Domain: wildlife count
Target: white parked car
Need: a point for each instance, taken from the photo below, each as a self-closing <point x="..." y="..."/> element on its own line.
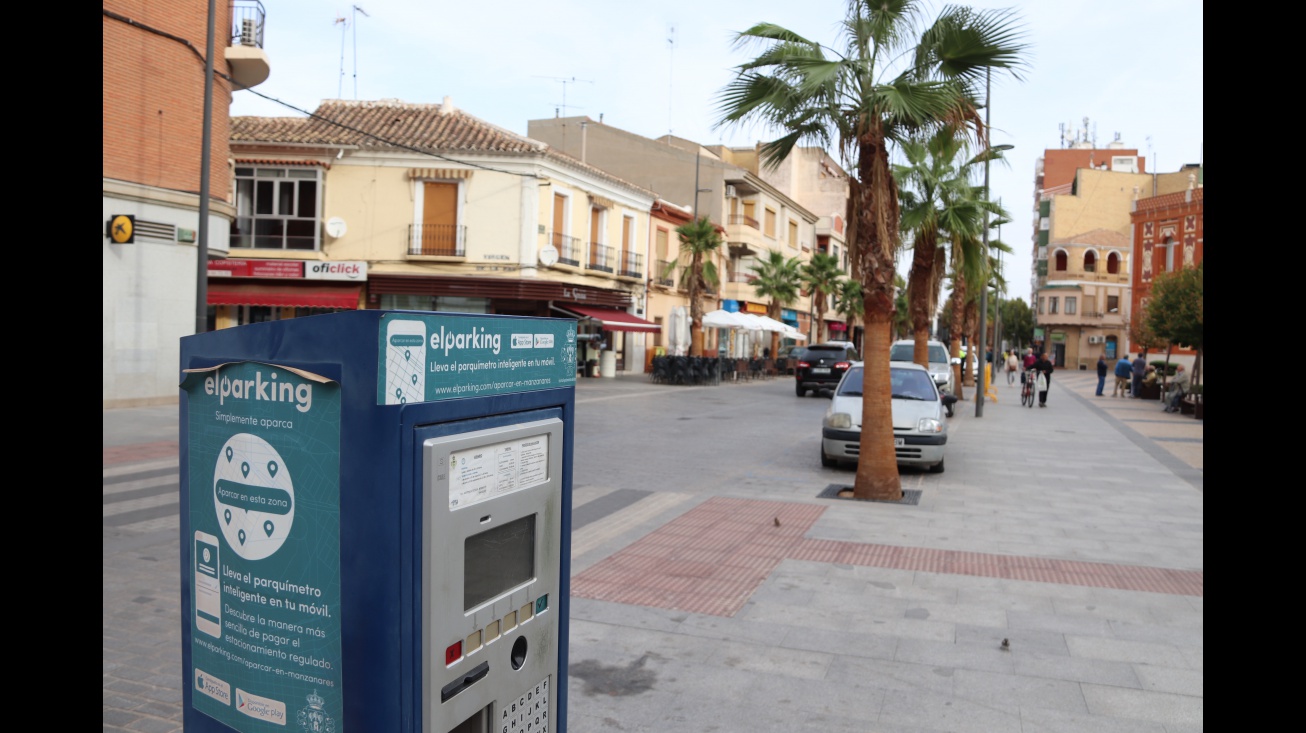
<point x="940" y="364"/>
<point x="920" y="431"/>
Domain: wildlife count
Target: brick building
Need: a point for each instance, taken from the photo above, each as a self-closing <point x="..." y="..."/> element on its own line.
<point x="1168" y="232"/>
<point x="153" y="99"/>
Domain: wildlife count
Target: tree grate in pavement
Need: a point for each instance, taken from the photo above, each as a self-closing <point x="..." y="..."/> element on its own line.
<point x="911" y="497"/>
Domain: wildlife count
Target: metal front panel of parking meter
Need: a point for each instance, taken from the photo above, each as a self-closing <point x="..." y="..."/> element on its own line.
<point x="375" y="520"/>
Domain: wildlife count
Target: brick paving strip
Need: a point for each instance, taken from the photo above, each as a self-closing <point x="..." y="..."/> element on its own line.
<point x="711" y="559"/>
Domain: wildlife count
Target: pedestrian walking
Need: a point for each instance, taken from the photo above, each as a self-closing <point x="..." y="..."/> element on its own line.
<point x="1013" y="366"/>
<point x="1138" y="370"/>
<point x="1101" y="374"/>
<point x="1123" y="371"/>
<point x="1044" y="368"/>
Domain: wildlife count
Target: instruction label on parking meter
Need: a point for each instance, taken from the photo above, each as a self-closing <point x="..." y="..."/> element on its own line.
<point x="437" y="357"/>
<point x="264" y="490"/>
<point x="490" y="471"/>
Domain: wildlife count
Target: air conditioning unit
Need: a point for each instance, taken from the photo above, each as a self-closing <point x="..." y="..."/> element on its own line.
<point x="730" y="192"/>
<point x="247" y="30"/>
<point x="1096" y="339"/>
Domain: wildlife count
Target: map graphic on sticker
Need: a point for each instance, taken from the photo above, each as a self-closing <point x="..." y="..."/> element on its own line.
<point x="253" y="495"/>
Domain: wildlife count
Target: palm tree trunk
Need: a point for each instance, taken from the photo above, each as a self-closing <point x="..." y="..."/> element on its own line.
<point x="775" y="335"/>
<point x="877" y="463"/>
<point x="695" y="307"/>
<point x="876" y="244"/>
<point x="958" y="327"/>
<point x="972" y="337"/>
<point x="918" y="294"/>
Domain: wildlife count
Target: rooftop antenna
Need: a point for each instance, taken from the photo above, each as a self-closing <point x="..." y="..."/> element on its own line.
<point x="344" y="24"/>
<point x="357" y="10"/>
<point x="565" y="81"/>
<point x="671" y="57"/>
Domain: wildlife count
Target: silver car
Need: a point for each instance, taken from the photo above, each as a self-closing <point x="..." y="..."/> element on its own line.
<point x="940" y="364"/>
<point x="920" y="431"/>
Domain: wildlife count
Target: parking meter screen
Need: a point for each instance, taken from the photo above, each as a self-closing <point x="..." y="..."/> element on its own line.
<point x="498" y="560"/>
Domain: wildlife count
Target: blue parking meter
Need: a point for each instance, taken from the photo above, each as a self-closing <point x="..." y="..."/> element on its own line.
<point x="376" y="523"/>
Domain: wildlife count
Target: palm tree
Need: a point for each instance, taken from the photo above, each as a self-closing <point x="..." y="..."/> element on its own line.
<point x="937" y="198"/>
<point x="699" y="240"/>
<point x="821" y="276"/>
<point x="848" y="303"/>
<point x="901" y="316"/>
<point x="858" y="102"/>
<point x="778" y="280"/>
<point x="970" y="264"/>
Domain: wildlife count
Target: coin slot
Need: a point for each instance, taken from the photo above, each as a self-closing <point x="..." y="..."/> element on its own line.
<point x="518" y="652"/>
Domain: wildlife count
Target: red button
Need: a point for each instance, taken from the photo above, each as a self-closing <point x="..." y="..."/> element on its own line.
<point x="453" y="653"/>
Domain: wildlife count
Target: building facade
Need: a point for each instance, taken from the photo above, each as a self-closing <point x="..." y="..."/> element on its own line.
<point x="152" y="157"/>
<point x="434" y="209"/>
<point x="812" y="178"/>
<point x="1169" y="231"/>
<point x="722" y="183"/>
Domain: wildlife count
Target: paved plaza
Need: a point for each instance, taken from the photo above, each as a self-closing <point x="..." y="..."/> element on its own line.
<point x="1050" y="580"/>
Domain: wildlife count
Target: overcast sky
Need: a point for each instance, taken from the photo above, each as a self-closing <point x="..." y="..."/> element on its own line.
<point x="1133" y="68"/>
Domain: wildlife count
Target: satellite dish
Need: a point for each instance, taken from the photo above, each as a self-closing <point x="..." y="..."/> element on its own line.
<point x="335" y="226"/>
<point x="548" y="255"/>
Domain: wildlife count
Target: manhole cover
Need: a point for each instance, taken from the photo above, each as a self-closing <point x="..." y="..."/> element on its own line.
<point x="840" y="491"/>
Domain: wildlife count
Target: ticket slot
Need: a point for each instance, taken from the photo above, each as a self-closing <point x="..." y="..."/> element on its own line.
<point x="453" y="688"/>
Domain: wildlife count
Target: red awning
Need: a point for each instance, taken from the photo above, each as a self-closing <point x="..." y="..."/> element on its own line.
<point x="285" y="296"/>
<point x="611" y="319"/>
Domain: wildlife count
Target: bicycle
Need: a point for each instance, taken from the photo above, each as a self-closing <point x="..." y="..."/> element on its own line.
<point x="1027" y="382"/>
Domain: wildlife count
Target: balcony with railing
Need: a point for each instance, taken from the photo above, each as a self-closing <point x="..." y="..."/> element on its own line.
<point x="601" y="258"/>
<point x="665" y="274"/>
<point x="631" y="265"/>
<point x="570" y="249"/>
<point x="245" y="55"/>
<point x="744" y="235"/>
<point x="437" y="240"/>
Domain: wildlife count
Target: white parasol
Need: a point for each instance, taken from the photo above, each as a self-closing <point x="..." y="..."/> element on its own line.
<point x="724" y="319"/>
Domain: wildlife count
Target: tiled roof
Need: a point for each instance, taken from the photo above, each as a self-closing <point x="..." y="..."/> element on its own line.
<point x="1096" y="238"/>
<point x="403" y="125"/>
<point x="431" y="127"/>
<point x="1165" y="201"/>
<point x="280" y="161"/>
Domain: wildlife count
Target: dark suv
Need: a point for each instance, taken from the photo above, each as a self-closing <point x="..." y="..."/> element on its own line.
<point x="820" y="366"/>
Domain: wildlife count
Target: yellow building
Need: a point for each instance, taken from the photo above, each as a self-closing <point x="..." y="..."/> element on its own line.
<point x="394" y="205"/>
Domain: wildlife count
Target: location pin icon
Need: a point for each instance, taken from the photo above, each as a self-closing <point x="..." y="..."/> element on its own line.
<point x="414" y="379"/>
<point x="272" y="469"/>
<point x="244" y="469"/>
<point x="399" y="393"/>
<point x="226" y="515"/>
<point x="230" y="453"/>
<point x="407" y="354"/>
<point x="267" y="527"/>
<point x="241" y="535"/>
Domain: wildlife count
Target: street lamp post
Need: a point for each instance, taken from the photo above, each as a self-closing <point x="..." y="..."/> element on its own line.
<point x="206" y="142"/>
<point x="984" y="368"/>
